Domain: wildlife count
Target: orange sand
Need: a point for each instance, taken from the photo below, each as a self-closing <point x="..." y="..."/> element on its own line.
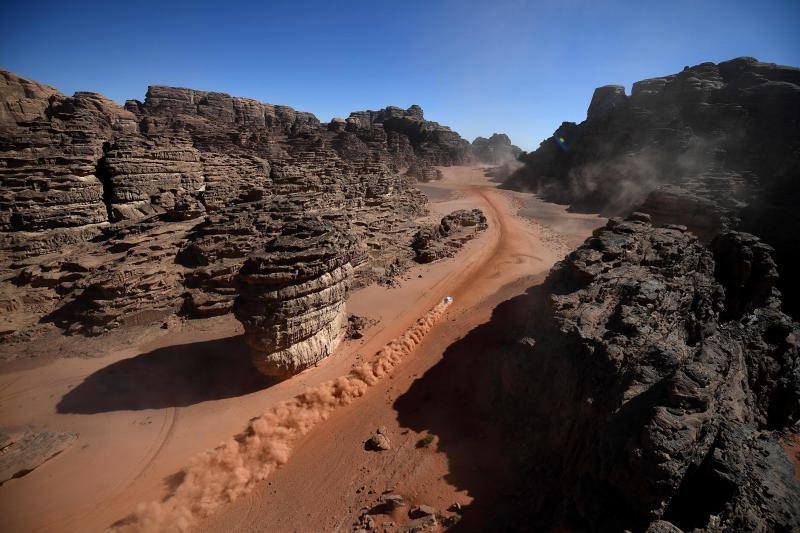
<point x="131" y="451"/>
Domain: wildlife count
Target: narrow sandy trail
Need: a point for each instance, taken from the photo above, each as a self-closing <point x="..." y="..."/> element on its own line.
<point x="143" y="412"/>
<point x="331" y="479"/>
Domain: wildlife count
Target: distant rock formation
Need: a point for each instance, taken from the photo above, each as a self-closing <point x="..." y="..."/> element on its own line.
<point x="123" y="215"/>
<point x="654" y="387"/>
<point x="496" y="150"/>
<point x="714" y="147"/>
<point x="409" y="138"/>
<point x="437" y="242"/>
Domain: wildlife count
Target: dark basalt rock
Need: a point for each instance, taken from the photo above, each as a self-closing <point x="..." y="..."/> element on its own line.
<point x="662" y="376"/>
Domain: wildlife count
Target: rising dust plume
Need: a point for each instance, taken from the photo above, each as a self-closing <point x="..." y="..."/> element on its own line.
<point x="231" y="470"/>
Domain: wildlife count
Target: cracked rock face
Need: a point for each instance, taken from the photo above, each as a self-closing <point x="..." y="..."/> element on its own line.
<point x="662" y="377"/>
<point x="292" y="297"/>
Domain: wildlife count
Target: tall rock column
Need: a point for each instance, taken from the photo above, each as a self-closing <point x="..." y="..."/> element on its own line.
<point x="292" y="297"/>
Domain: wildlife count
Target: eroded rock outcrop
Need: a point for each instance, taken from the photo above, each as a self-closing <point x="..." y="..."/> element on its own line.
<point x="23" y="449"/>
<point x="293" y="294"/>
<point x="496" y="150"/>
<point x="658" y="379"/>
<point x="714" y="147"/>
<point x="50" y="148"/>
<point x="114" y="215"/>
<point x="409" y="137"/>
<point x="437" y="242"/>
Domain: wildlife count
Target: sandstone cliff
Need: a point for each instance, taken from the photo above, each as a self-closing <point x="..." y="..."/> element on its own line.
<point x="652" y="387"/>
<point x="113" y="215"/>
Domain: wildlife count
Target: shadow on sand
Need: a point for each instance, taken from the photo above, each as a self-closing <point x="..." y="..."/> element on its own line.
<point x="174" y="376"/>
<point x="457" y="400"/>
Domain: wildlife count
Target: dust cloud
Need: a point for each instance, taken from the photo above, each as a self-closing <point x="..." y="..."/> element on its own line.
<point x="224" y="474"/>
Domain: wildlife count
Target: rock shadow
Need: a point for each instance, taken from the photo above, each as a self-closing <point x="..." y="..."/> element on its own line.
<point x="457" y="401"/>
<point x="173" y="376"/>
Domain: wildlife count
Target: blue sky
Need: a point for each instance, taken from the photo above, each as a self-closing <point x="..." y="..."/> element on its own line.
<point x="516" y="66"/>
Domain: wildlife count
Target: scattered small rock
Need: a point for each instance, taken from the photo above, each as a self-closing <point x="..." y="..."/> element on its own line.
<point x="421" y="510"/>
<point x="392" y="501"/>
<point x="420" y="524"/>
<point x="378" y="441"/>
<point x="357" y="324"/>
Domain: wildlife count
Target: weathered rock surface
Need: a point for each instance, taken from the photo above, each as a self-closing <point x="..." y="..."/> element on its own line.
<point x="716" y="147"/>
<point x="409" y="138"/>
<point x="356" y="325"/>
<point x="424" y="172"/>
<point x="112" y="215"/>
<point x="662" y="377"/>
<point x="496" y="150"/>
<point x="293" y="295"/>
<point x="379" y="441"/>
<point x="50" y="147"/>
<point x="437" y="242"/>
<point x="24" y="449"/>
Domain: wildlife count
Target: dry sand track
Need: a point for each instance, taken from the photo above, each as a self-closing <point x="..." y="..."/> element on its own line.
<point x="143" y="412"/>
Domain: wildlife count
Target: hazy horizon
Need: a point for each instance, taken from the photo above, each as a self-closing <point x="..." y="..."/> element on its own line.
<point x="513" y="67"/>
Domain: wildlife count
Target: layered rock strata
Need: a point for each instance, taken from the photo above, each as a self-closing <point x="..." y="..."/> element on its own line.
<point x="654" y="386"/>
<point x="293" y="294"/>
<point x="409" y="137"/>
<point x="115" y="215"/>
<point x="444" y="240"/>
<point x="50" y="145"/>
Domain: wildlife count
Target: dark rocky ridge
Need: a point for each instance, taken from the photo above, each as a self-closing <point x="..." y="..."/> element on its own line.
<point x="662" y="375"/>
<point x="645" y="386"/>
<point x="496" y="150"/>
<point x="714" y="147"/>
<point x="115" y="215"/>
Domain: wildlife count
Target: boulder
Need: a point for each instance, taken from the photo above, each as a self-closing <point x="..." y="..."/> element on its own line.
<point x="292" y="296"/>
<point x="24" y="449"/>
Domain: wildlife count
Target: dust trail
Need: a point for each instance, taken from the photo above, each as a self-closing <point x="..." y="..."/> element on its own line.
<point x="222" y="475"/>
